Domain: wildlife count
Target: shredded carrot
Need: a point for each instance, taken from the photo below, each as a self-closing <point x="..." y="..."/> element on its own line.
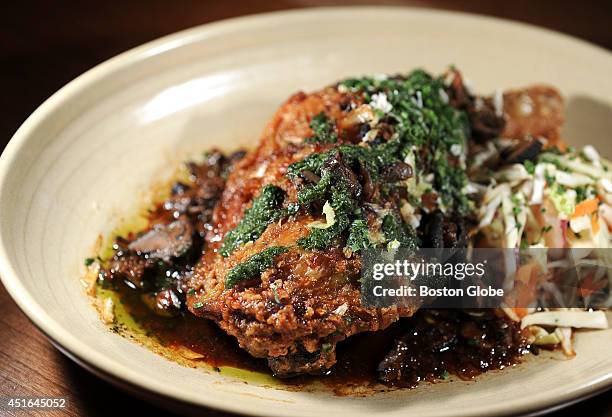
<point x="595" y="223"/>
<point x="591" y="285"/>
<point x="526" y="281"/>
<point x="520" y="311"/>
<point x="525" y="272"/>
<point x="586" y="207"/>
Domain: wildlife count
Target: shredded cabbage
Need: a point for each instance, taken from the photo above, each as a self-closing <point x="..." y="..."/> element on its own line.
<point x="567" y="318"/>
<point x="514" y="207"/>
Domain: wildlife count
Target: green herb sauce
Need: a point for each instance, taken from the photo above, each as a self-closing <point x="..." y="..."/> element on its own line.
<point x="323" y="129"/>
<point x="424" y="123"/>
<point x="254" y="266"/>
<point x="424" y="119"/>
<point x="395" y="229"/>
<point x="343" y="206"/>
<point x="359" y="237"/>
<point x="265" y="210"/>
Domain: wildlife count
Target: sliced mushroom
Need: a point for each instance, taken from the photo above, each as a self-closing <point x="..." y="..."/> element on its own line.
<point x="129" y="267"/>
<point x="443" y="232"/>
<point x="433" y="236"/>
<point x="369" y="188"/>
<point x="527" y="149"/>
<point x="397" y="171"/>
<point x="339" y="169"/>
<point x="486" y="124"/>
<point x="164" y="241"/>
<point x="165" y="303"/>
<point x="310" y="176"/>
<point x="458" y="94"/>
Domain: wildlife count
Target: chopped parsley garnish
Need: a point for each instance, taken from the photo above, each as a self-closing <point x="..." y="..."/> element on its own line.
<point x="529" y="166"/>
<point x="550" y="179"/>
<point x="373" y="158"/>
<point x="323" y="130"/>
<point x="395" y="229"/>
<point x="420" y="119"/>
<point x="335" y="187"/>
<point x="254" y="266"/>
<point x="581" y="194"/>
<point x="358" y="236"/>
<point x="423" y="123"/>
<point x="265" y="210"/>
<point x="89" y="261"/>
<point x="423" y="119"/>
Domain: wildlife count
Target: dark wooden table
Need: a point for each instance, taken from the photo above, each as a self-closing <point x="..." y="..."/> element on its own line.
<point x="45" y="44"/>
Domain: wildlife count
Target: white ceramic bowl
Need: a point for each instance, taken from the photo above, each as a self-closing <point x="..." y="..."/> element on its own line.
<point x="83" y="159"/>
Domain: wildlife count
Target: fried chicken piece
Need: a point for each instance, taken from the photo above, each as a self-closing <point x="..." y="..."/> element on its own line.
<point x="311" y="299"/>
<point x="294" y="313"/>
<point x="535" y="111"/>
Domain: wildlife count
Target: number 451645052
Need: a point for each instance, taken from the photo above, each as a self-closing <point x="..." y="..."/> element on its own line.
<point x="33" y="402"/>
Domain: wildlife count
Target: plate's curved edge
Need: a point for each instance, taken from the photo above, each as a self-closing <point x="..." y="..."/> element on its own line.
<point x="166" y="402"/>
<point x="52" y="329"/>
<point x="185" y="407"/>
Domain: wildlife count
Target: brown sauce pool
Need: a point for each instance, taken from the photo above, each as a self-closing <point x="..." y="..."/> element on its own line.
<point x="358" y="357"/>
